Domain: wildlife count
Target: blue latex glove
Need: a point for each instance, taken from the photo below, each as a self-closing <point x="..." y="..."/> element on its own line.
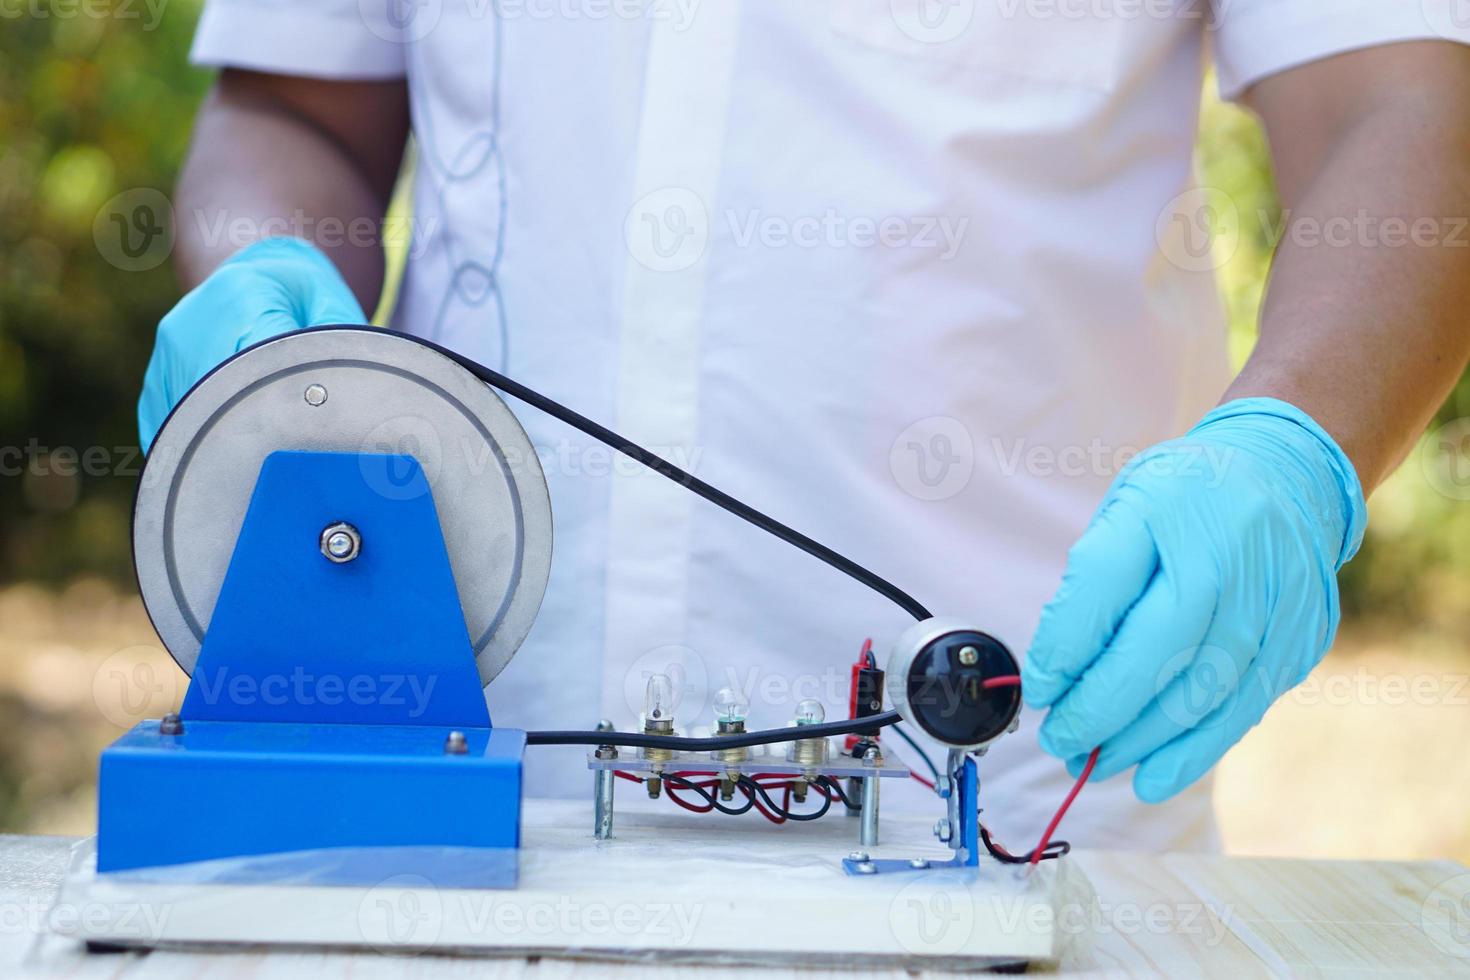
<point x="1204" y="588"/>
<point x="268" y="288"/>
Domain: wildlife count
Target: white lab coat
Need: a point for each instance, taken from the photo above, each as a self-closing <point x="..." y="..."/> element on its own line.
<point x="913" y="276"/>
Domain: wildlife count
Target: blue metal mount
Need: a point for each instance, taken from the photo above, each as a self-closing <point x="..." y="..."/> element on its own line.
<point x="320" y="708"/>
<point x="961" y="789"/>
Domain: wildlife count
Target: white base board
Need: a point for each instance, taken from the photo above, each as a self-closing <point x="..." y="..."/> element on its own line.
<point x="669" y="886"/>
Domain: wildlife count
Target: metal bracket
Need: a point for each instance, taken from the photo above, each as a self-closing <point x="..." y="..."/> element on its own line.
<point x="960" y="827"/>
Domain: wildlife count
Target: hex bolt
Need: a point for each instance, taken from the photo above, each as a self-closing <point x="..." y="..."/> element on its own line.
<point x="316" y="395"/>
<point x="340" y="542"/>
<point x="969" y="656"/>
<point x="606" y="751"/>
<point x="867" y="868"/>
<point x="171" y="724"/>
<point x="858" y="856"/>
<point x="918" y="864"/>
<point x="456" y="744"/>
<point x="942" y="830"/>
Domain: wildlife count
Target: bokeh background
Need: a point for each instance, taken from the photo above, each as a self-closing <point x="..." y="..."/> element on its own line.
<point x="1368" y="759"/>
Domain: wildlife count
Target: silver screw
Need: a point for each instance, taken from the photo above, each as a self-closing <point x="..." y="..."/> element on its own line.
<point x="872" y="757"/>
<point x="858" y="856"/>
<point x="969" y="656"/>
<point x="918" y="864"/>
<point x="942" y="830"/>
<point x="171" y="724"/>
<point x="315" y="395"/>
<point x="456" y="744"/>
<point x="341" y="542"/>
<point x="867" y="868"/>
<point x="606" y="751"/>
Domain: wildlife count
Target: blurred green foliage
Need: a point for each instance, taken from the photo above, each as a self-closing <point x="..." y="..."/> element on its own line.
<point x="90" y="106"/>
<point x="93" y="106"/>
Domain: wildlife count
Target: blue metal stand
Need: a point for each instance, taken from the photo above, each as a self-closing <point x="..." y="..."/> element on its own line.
<point x="321" y="707"/>
<point x="961" y="826"/>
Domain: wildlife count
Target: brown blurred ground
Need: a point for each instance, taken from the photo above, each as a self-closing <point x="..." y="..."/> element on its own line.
<point x="1367" y="759"/>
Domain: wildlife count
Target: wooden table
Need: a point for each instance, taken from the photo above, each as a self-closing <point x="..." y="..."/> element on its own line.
<point x="1174" y="915"/>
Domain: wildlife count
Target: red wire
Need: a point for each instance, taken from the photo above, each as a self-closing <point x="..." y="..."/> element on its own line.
<point x="692" y="807"/>
<point x="1007" y="680"/>
<point x="923" y="779"/>
<point x="1051" y="828"/>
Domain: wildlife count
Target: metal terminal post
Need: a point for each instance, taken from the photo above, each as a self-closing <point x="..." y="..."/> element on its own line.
<point x="456" y="743"/>
<point x="868" y="828"/>
<point x="602" y="789"/>
<point x="171" y="724"/>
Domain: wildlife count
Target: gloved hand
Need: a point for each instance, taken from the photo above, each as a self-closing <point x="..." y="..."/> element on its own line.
<point x="271" y="287"/>
<point x="1204" y="588"/>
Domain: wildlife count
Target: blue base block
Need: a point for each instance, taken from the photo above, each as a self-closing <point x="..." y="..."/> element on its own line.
<point x="226" y="789"/>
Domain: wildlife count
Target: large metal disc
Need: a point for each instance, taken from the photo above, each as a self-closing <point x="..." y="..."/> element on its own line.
<point x="348" y="390"/>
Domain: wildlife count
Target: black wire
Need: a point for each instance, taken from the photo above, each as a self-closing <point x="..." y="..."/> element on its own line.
<point x="1054" y="849"/>
<point x="679" y="782"/>
<point x="933" y="769"/>
<point x="836" y="786"/>
<point x="751" y="785"/>
<point x="769" y="736"/>
<point x="685" y="479"/>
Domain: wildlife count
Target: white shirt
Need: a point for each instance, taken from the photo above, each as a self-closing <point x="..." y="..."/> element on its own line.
<point x="912" y="276"/>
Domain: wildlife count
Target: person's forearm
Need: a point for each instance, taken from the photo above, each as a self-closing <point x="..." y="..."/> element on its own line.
<point x="1366" y="323"/>
<point x="258" y="169"/>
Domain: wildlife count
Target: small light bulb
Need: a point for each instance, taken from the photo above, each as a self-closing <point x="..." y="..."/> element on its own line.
<point x="658" y="699"/>
<point x="810" y="712"/>
<point x="730" y="707"/>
